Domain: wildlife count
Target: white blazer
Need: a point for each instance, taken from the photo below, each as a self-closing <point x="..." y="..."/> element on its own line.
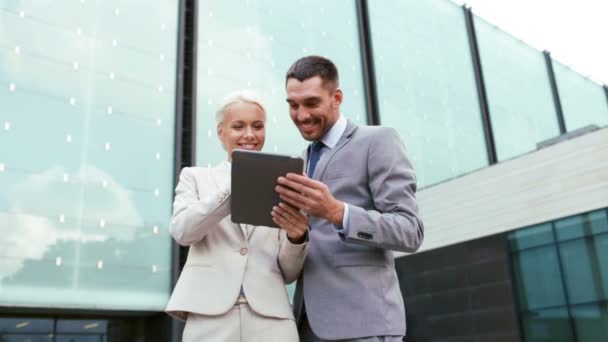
<point x="224" y="255"/>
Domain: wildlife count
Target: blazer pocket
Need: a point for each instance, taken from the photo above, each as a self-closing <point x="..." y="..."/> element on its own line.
<point x="359" y="259"/>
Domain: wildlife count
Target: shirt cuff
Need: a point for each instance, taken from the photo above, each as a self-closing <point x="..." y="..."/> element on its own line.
<point x="345" y="222"/>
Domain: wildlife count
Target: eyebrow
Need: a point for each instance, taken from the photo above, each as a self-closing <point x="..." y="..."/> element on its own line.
<point x="306" y="100"/>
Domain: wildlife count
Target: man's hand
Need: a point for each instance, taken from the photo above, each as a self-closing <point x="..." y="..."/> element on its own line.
<point x="311" y="196"/>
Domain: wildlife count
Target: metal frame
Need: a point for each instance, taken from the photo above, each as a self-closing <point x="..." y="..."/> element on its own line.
<point x="606" y="92"/>
<point x="481" y="87"/>
<point x="367" y="64"/>
<point x="185" y="126"/>
<point x="555" y="92"/>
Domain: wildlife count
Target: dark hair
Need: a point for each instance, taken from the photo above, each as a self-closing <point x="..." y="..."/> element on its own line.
<point x="311" y="66"/>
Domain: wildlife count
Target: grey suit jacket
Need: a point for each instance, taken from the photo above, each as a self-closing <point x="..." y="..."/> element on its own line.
<point x="349" y="284"/>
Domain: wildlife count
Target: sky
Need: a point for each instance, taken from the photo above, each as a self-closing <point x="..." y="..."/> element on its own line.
<point x="574" y="32"/>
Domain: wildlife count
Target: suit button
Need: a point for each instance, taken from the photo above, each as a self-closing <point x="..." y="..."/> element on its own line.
<point x="243" y="251"/>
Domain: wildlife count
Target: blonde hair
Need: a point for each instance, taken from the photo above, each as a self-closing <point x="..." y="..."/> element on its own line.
<point x="241" y="96"/>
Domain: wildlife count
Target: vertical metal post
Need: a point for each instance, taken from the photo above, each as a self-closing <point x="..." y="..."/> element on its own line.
<point x="367" y="63"/>
<point x="555" y="92"/>
<point x="185" y="121"/>
<point x="606" y="92"/>
<point x="481" y="87"/>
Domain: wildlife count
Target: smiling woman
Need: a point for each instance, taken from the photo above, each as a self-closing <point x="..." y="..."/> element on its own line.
<point x="241" y="122"/>
<point x="235" y="274"/>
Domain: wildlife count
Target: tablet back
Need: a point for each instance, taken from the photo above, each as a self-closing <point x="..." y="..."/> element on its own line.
<point x="254" y="177"/>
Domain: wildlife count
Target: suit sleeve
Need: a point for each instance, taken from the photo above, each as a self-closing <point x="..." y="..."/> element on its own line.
<point x="195" y="214"/>
<point x="394" y="222"/>
<point x="291" y="257"/>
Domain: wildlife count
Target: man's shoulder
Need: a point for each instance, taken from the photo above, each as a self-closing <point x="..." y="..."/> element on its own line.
<point x="375" y="132"/>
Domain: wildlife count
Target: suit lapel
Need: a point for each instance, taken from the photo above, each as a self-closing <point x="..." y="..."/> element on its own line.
<point x="221" y="177"/>
<point x="322" y="164"/>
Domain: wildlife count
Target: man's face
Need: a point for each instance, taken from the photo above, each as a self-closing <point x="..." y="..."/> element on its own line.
<point x="313" y="107"/>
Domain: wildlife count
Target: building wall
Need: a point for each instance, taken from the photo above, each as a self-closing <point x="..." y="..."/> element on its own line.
<point x="462" y="292"/>
<point x="568" y="178"/>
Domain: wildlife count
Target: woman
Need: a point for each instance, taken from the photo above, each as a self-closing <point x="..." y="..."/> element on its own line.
<point x="232" y="287"/>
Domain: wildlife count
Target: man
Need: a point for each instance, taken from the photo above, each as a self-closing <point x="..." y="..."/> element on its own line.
<point x="360" y="195"/>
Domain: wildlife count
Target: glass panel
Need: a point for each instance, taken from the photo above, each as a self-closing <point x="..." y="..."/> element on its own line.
<point x="591" y="322"/>
<point x="518" y="89"/>
<point x="581" y="225"/>
<point x="538" y="278"/>
<point x="600" y="244"/>
<point x="27" y="338"/>
<point x="551" y="325"/>
<point x="81" y="326"/>
<point x="530" y="237"/>
<point x="426" y="86"/>
<point x="583" y="101"/>
<point x="583" y="269"/>
<point x="87" y="93"/>
<point x="26" y="325"/>
<point x="251" y="44"/>
<point x="79" y="338"/>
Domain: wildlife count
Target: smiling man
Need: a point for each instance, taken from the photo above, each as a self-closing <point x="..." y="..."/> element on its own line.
<point x="360" y="196"/>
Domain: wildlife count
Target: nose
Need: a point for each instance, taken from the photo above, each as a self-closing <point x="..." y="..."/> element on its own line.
<point x="302" y="114"/>
<point x="248" y="131"/>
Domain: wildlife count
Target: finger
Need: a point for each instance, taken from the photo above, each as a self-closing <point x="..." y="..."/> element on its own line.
<point x="304" y="180"/>
<point x="296" y="186"/>
<point x="281" y="221"/>
<point x="298" y="201"/>
<point x="292" y="213"/>
<point x="282" y="191"/>
<point x="277" y="211"/>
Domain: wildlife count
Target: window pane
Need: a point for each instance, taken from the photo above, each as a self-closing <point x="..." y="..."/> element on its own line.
<point x="519" y="93"/>
<point x="551" y="325"/>
<point x="250" y="45"/>
<point x="582" y="225"/>
<point x="87" y="93"/>
<point x="530" y="237"/>
<point x="583" y="269"/>
<point x="26" y="325"/>
<point x="538" y="278"/>
<point x="591" y="322"/>
<point x="583" y="101"/>
<point x="426" y="86"/>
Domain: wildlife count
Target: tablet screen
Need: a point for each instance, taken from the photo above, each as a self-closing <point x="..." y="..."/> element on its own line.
<point x="254" y="177"/>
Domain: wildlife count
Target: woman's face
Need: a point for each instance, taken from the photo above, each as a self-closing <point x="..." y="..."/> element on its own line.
<point x="242" y="128"/>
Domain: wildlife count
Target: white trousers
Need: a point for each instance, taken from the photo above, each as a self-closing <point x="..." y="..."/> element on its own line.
<point x="240" y="324"/>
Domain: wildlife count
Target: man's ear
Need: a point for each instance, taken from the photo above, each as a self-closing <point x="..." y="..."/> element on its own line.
<point x="338" y="96"/>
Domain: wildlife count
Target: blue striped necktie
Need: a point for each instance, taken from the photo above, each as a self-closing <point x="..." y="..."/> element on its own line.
<point x="313" y="156"/>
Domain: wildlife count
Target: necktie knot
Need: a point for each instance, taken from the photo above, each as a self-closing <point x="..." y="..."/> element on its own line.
<point x="313" y="157"/>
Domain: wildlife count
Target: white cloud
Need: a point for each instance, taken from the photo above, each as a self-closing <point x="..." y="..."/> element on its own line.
<point x="32" y="225"/>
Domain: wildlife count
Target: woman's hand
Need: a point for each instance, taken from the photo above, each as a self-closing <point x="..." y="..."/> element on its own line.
<point x="292" y="220"/>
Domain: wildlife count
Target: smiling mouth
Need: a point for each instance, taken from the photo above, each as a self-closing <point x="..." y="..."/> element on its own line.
<point x="307" y="126"/>
<point x="249" y="146"/>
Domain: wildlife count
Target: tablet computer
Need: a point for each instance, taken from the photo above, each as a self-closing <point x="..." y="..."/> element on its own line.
<point x="254" y="178"/>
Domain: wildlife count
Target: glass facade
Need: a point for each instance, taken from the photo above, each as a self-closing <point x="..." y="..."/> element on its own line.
<point x="518" y="90"/>
<point x="28" y="329"/>
<point x="251" y="44"/>
<point x="583" y="101"/>
<point x="560" y="272"/>
<point x="426" y="86"/>
<point x="87" y="97"/>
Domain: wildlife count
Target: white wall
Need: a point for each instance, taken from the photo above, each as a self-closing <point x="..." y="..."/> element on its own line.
<point x="568" y="178"/>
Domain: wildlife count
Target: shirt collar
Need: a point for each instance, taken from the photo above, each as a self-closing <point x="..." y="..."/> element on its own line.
<point x="331" y="138"/>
